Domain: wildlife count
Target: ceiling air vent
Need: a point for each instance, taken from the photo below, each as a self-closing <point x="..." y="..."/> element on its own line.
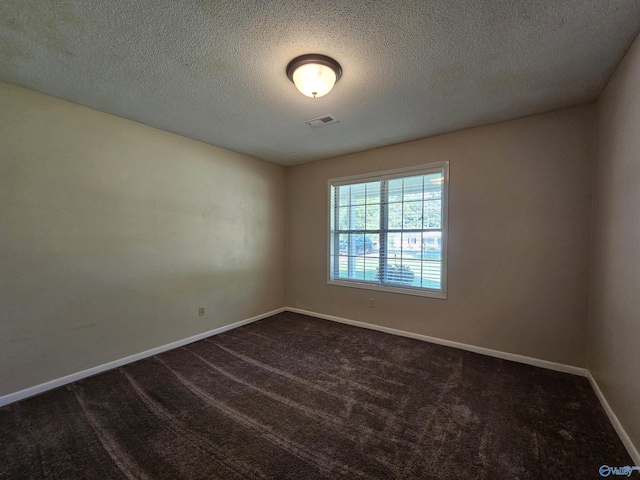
<point x="321" y="121"/>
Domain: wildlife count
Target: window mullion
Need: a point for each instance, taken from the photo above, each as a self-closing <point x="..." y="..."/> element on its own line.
<point x="351" y="250"/>
<point x="384" y="226"/>
<point x="336" y="230"/>
<point x="422" y="238"/>
<point x="401" y="226"/>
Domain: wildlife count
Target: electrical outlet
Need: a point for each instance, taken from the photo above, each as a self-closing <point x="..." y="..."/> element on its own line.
<point x="201" y="311"/>
<point x="372" y="303"/>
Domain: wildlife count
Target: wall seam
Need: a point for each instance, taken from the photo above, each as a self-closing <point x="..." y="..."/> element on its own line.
<point x="287" y="222"/>
<point x="594" y="150"/>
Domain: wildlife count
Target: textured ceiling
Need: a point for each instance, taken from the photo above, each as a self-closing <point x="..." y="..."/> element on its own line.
<point x="215" y="70"/>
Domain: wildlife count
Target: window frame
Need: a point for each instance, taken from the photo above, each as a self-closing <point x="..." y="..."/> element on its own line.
<point x="444" y="228"/>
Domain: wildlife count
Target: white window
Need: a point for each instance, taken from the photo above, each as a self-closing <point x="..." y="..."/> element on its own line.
<point x="388" y="231"/>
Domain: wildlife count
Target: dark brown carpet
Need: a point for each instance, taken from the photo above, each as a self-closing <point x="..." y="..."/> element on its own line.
<point x="297" y="397"/>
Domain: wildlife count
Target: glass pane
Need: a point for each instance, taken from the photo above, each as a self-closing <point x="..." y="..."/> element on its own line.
<point x="400" y="274"/>
<point x="359" y="217"/>
<point x="373" y="217"/>
<point x="411" y="247"/>
<point x="342" y="270"/>
<point x="412" y="215"/>
<point x="344" y="192"/>
<point x="395" y="216"/>
<point x="412" y="188"/>
<point x="433" y="214"/>
<point x="358" y="271"/>
<point x="343" y="218"/>
<point x="431" y="274"/>
<point x="432" y="246"/>
<point x="411" y="271"/>
<point x="358" y="244"/>
<point x="370" y="269"/>
<point x="433" y="185"/>
<point x="373" y="192"/>
<point x="358" y="194"/>
<point x="374" y="240"/>
<point x="394" y="246"/>
<point x="343" y="244"/>
<point x="395" y="190"/>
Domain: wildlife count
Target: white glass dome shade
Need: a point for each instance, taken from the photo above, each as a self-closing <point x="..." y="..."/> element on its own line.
<point x="314" y="75"/>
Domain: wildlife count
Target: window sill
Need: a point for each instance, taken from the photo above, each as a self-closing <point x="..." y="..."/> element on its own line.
<point x="419" y="292"/>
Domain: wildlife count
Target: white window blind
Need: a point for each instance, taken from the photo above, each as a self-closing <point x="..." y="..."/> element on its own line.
<point x="388" y="231"/>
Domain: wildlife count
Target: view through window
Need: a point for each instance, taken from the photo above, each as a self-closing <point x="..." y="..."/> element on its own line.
<point x="388" y="231"/>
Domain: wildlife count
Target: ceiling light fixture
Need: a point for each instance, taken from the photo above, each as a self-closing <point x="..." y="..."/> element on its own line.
<point x="314" y="75"/>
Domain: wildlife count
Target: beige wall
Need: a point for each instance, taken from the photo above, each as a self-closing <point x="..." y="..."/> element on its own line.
<point x="112" y="234"/>
<point x="614" y="325"/>
<point x="519" y="216"/>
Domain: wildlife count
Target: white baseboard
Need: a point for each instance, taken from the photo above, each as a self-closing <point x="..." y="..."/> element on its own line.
<point x="58" y="382"/>
<point x="448" y="343"/>
<point x="631" y="448"/>
<point x="583" y="372"/>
